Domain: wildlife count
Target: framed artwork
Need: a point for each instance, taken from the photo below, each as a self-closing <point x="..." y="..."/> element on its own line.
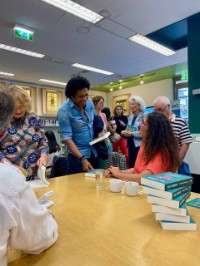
<point x="51" y="101"/>
<point x="122" y="100"/>
<point x="32" y="93"/>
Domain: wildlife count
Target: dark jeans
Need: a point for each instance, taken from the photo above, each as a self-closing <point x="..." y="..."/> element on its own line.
<point x="74" y="166"/>
<point x="132" y="153"/>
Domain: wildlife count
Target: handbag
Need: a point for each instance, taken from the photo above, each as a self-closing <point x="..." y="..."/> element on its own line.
<point x="184" y="169"/>
<point x="115" y="137"/>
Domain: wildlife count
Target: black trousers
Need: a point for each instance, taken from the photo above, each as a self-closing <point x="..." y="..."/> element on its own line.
<point x="132" y="153"/>
<point x="74" y="165"/>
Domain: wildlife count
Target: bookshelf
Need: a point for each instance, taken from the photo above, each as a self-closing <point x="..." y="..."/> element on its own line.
<point x="50" y="123"/>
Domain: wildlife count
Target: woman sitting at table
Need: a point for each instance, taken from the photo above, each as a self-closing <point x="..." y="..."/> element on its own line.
<point x="157" y="154"/>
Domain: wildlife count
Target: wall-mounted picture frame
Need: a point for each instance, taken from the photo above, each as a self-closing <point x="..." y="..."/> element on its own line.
<point x="51" y="101"/>
<point x="122" y="100"/>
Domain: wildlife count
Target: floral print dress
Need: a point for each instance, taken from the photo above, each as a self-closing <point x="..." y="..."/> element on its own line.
<point x="24" y="142"/>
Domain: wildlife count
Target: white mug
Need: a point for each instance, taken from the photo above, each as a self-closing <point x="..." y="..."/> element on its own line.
<point x="131" y="188"/>
<point x="115" y="185"/>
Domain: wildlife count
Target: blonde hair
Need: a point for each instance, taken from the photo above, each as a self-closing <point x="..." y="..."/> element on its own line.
<point x="21" y="97"/>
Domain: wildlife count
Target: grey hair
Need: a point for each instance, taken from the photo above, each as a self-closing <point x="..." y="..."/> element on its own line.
<point x="138" y="100"/>
<point x="162" y="99"/>
<point x="7" y="107"/>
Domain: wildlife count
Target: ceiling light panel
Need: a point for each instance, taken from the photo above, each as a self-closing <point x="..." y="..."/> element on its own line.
<point x="7" y="74"/>
<point x="20" y="51"/>
<point x="53" y="81"/>
<point x="93" y="69"/>
<point x="152" y="45"/>
<point x="75" y="9"/>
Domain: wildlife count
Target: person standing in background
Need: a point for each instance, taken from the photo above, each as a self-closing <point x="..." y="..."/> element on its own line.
<point x="132" y="134"/>
<point x="75" y="118"/>
<point x="98" y="102"/>
<point x="181" y="131"/>
<point x="121" y="121"/>
<point x="111" y="125"/>
<point x="24" y="143"/>
<point x="24" y="224"/>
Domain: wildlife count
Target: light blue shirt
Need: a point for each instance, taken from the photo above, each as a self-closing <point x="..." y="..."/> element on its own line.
<point x="137" y="138"/>
<point x="74" y="125"/>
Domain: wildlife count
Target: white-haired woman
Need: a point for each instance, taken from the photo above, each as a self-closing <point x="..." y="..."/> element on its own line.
<point x="132" y="134"/>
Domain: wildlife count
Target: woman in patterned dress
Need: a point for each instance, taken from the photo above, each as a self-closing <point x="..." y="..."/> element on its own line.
<point x="24" y="143"/>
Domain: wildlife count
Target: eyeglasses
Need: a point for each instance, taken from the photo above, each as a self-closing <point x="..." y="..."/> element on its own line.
<point x="161" y="109"/>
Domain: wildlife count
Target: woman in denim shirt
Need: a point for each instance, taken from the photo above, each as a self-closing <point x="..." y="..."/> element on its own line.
<point x="134" y="139"/>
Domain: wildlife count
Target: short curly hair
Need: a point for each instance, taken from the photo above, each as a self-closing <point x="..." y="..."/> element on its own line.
<point x="160" y="139"/>
<point x="75" y="84"/>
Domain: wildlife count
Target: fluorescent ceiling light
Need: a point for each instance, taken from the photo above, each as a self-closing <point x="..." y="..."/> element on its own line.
<point x="75" y="9"/>
<point x="20" y="51"/>
<point x="93" y="69"/>
<point x="23" y="29"/>
<point x="7" y="74"/>
<point x="152" y="45"/>
<point x="53" y="81"/>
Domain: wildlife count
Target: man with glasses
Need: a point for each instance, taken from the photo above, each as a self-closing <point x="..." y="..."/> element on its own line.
<point x="181" y="131"/>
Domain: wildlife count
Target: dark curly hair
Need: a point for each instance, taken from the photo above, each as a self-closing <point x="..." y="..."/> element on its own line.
<point x="160" y="139"/>
<point x="75" y="84"/>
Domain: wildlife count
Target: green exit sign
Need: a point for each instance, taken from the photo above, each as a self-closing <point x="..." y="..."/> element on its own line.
<point x="23" y="33"/>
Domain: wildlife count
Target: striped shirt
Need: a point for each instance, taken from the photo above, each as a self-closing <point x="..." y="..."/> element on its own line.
<point x="181" y="130"/>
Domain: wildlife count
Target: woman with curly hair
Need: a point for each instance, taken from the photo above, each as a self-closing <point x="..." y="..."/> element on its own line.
<point x="157" y="154"/>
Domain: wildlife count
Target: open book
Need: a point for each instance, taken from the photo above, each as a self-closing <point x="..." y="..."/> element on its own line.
<point x="41" y="181"/>
<point x="105" y="136"/>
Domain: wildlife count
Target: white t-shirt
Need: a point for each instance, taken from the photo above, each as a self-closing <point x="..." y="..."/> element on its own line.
<point x="24" y="224"/>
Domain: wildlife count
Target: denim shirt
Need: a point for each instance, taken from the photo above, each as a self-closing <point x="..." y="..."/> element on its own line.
<point x="74" y="126"/>
<point x="137" y="138"/>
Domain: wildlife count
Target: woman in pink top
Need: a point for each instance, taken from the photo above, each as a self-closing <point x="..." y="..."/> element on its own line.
<point x="157" y="154"/>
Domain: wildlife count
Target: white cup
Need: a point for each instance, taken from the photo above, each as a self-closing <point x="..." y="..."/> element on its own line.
<point x="115" y="185"/>
<point x="131" y="188"/>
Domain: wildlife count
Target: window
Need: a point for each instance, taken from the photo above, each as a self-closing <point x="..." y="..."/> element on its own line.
<point x="181" y="94"/>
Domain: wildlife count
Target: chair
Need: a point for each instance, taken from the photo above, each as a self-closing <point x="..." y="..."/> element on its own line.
<point x="116" y="159"/>
<point x="59" y="167"/>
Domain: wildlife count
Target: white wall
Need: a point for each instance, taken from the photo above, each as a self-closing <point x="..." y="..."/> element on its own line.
<point x="147" y="91"/>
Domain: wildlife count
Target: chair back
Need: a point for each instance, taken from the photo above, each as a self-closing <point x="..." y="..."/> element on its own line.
<point x="59" y="167"/>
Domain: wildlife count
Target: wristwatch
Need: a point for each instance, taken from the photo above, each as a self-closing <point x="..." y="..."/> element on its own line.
<point x="82" y="159"/>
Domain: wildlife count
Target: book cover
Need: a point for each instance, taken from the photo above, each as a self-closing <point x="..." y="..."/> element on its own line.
<point x="172" y="218"/>
<point x="167" y="225"/>
<point x="181" y="211"/>
<point x="166" y="181"/>
<point x="194" y="203"/>
<point x="168" y="194"/>
<point x="131" y="128"/>
<point x="103" y="137"/>
<point x="175" y="203"/>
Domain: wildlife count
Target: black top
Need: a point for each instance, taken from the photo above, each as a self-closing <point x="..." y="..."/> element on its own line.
<point x="119" y="127"/>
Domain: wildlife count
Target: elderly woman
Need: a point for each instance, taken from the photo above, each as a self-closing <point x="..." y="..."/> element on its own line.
<point x="132" y="134"/>
<point x="158" y="152"/>
<point x="24" y="143"/>
<point x="24" y="223"/>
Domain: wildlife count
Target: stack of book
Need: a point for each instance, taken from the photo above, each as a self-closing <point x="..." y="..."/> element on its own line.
<point x="168" y="192"/>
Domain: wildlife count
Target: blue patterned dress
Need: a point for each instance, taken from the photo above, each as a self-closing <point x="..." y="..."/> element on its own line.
<point x="24" y="142"/>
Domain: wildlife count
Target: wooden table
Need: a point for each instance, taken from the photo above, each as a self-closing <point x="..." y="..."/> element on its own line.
<point x="101" y="228"/>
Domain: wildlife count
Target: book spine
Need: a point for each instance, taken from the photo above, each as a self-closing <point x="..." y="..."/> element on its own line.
<point x="183" y="200"/>
<point x="181" y="191"/>
<point x="179" y="183"/>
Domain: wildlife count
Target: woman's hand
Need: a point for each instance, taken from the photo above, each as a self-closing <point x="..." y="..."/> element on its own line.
<point x="127" y="133"/>
<point x="42" y="160"/>
<point x="114" y="171"/>
<point x="122" y="123"/>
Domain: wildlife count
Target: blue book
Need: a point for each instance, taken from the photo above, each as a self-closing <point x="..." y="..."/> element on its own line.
<point x="175" y="203"/>
<point x="131" y="128"/>
<point x="194" y="203"/>
<point x="168" y="225"/>
<point x="168" y="194"/>
<point x="166" y="181"/>
<point x="182" y="211"/>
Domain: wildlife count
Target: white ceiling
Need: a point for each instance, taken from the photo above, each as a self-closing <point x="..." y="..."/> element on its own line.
<point x="106" y="45"/>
